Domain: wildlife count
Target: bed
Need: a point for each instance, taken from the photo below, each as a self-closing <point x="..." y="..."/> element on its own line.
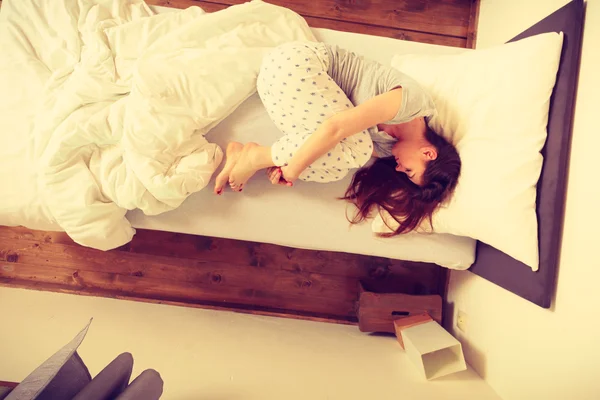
<point x="320" y="224"/>
<point x="310" y="216"/>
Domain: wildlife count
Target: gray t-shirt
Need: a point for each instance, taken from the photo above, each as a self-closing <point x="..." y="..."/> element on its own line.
<point x="362" y="79"/>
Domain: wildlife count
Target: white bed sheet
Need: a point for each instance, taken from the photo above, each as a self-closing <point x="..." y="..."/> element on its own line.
<point x="308" y="215"/>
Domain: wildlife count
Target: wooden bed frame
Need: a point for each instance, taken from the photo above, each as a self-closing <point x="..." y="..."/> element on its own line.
<point x="196" y="271"/>
<point x="448" y="23"/>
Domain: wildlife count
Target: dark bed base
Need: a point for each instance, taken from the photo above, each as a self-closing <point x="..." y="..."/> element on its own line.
<point x="495" y="266"/>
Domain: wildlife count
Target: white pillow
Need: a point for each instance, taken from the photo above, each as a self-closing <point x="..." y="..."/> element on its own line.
<point x="493" y="105"/>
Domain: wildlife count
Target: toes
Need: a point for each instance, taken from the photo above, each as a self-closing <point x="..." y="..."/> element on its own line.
<point x="219" y="185"/>
<point x="236" y="187"/>
<point x="218" y="188"/>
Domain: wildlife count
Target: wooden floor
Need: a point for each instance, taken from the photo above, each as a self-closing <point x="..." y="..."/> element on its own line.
<point x="249" y="277"/>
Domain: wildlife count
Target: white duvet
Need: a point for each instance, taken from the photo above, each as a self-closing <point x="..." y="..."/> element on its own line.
<point x="109" y="105"/>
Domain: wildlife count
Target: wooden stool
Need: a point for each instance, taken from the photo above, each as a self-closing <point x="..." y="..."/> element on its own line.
<point x="378" y="311"/>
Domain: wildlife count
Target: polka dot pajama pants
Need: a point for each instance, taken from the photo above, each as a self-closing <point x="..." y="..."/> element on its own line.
<point x="299" y="96"/>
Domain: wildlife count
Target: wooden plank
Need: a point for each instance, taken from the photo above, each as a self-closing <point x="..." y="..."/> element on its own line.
<point x="339" y="25"/>
<point x="183" y="4"/>
<point x="473" y="22"/>
<point x="374" y="30"/>
<point x="111" y="284"/>
<point x="408" y="277"/>
<point x="26" y="234"/>
<point x="236" y="308"/>
<point x="24" y="241"/>
<point x="404" y="276"/>
<point x="245" y="275"/>
<point x="228" y="277"/>
<point x="444" y="282"/>
<point x="444" y="17"/>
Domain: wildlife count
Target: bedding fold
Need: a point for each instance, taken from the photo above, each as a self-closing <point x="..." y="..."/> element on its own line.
<point x="128" y="99"/>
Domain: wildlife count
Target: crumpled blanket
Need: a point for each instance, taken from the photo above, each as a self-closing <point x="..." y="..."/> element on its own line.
<point x="127" y="98"/>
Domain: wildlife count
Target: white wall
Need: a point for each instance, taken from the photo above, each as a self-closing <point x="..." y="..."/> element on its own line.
<point x="216" y="355"/>
<point x="523" y="351"/>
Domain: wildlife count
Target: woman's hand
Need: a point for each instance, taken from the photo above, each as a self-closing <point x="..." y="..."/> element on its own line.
<point x="281" y="176"/>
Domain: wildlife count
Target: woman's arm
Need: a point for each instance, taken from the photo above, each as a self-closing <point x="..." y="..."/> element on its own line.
<point x="374" y="111"/>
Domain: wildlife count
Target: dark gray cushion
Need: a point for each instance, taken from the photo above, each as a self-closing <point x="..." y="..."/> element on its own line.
<point x="110" y="382"/>
<point x="34" y="384"/>
<point x="147" y="386"/>
<point x="4" y="391"/>
<point x="70" y="380"/>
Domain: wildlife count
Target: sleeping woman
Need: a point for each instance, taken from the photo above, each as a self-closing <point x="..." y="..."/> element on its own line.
<point x="336" y="110"/>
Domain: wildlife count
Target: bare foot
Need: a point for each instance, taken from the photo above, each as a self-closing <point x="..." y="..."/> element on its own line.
<point x="232" y="154"/>
<point x="245" y="167"/>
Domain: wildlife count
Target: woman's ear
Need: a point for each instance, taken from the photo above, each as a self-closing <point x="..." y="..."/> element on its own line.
<point x="429" y="153"/>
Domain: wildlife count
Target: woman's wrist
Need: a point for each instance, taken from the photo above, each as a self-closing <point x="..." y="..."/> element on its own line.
<point x="293" y="171"/>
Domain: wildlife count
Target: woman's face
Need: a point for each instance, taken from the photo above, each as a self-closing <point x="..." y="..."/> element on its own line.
<point x="412" y="158"/>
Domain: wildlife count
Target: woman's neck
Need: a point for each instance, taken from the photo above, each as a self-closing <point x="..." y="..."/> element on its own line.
<point x="413" y="130"/>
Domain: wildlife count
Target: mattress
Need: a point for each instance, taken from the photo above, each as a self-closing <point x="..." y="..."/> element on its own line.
<point x="309" y="215"/>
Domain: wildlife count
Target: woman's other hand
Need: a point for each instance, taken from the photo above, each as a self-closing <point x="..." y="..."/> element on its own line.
<point x="278" y="176"/>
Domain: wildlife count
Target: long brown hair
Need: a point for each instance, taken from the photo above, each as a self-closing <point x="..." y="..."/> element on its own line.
<point x="380" y="186"/>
